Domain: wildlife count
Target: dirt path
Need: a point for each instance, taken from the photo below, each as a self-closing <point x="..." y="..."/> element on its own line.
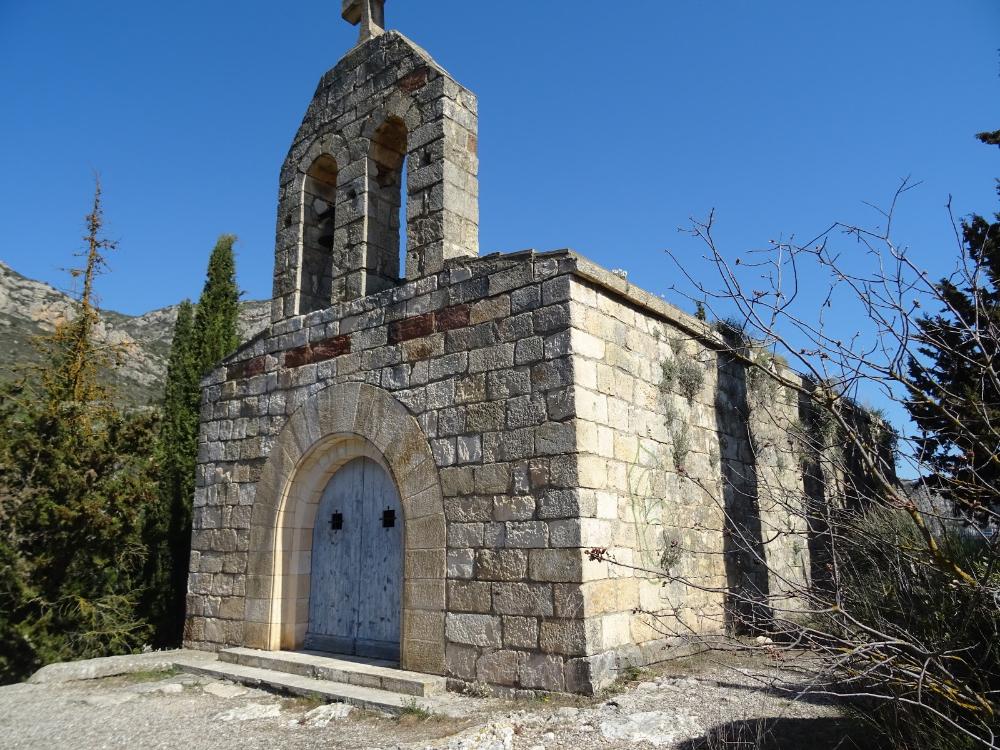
<point x="674" y="707"/>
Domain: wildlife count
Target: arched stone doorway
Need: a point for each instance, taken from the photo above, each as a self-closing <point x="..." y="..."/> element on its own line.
<point x="333" y="427"/>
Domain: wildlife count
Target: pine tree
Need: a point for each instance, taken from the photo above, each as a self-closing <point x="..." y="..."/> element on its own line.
<point x="76" y="485"/>
<point x="78" y="358"/>
<point x="954" y="406"/>
<point x="215" y="322"/>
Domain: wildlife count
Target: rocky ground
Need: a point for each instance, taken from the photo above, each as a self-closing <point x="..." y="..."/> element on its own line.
<point x="700" y="703"/>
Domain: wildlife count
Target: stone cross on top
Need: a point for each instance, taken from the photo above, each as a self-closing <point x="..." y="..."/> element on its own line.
<point x="370" y="14"/>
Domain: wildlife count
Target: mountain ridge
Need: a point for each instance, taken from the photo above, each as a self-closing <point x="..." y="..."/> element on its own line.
<point x="30" y="309"/>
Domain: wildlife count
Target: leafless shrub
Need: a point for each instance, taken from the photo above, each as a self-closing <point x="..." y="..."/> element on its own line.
<point x="895" y="606"/>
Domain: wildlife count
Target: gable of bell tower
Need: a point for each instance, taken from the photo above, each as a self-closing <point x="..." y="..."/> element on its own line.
<point x="386" y="127"/>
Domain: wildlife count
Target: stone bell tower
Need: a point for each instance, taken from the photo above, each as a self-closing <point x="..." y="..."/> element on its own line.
<point x="386" y="125"/>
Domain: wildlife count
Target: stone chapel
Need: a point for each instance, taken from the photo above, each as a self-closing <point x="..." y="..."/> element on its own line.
<point x="412" y="462"/>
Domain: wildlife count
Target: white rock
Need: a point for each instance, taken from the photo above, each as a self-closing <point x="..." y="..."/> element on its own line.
<point x="158" y="687"/>
<point x="489" y="737"/>
<point x="224" y="689"/>
<point x="658" y="728"/>
<point x="250" y="712"/>
<point x="169" y="687"/>
<point x="106" y="700"/>
<point x="323" y="715"/>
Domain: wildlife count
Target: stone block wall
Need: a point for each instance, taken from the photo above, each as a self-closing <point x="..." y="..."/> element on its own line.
<point x="478" y="354"/>
<point x="678" y="456"/>
<point x="537" y="382"/>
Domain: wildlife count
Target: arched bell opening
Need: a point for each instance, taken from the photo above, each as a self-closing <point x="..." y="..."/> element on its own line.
<point x="319" y="200"/>
<point x="386" y="231"/>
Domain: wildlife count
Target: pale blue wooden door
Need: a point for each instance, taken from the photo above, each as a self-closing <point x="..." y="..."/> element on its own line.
<point x="356" y="580"/>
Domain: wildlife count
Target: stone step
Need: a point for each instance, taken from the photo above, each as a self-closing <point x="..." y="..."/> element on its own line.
<point x="368" y="673"/>
<point x="293" y="684"/>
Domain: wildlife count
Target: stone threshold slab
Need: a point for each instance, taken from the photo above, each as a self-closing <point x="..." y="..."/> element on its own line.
<point x="332" y="692"/>
<point x="367" y="673"/>
<point x="113" y="666"/>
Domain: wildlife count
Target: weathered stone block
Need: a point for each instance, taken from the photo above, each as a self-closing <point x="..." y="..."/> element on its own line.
<point x="468" y="508"/>
<point x="527" y="534"/>
<point x="470" y="449"/>
<point x="465" y="535"/>
<point x="490" y="309"/>
<point x="498" y="667"/>
<point x="567" y="637"/>
<point x="555" y="437"/>
<point x="514" y="507"/>
<point x="425" y="656"/>
<point x="460" y="563"/>
<point x="457" y="481"/>
<point x="424" y="594"/>
<point x="526" y="411"/>
<point x="428" y="563"/>
<point x="520" y="632"/>
<point x="484" y="416"/>
<point x="555" y="565"/>
<point x="470" y="389"/>
<point x="469" y="596"/>
<point x="422" y="625"/>
<point x="501" y="564"/>
<point x="473" y="630"/>
<point x="543" y="672"/>
<point x="461" y="661"/>
<point x="492" y="479"/>
<point x="522" y="599"/>
<point x="491" y="358"/>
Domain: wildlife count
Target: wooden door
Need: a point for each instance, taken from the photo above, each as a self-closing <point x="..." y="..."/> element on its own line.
<point x="356" y="579"/>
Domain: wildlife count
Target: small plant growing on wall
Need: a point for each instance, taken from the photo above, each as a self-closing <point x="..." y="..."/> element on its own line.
<point x="761" y="383"/>
<point x="690" y="377"/>
<point x="682" y="446"/>
<point x="682" y="375"/>
<point x="671" y="551"/>
<point x="668" y="373"/>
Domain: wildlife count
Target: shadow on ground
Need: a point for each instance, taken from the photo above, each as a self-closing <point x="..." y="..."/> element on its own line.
<point x="826" y="733"/>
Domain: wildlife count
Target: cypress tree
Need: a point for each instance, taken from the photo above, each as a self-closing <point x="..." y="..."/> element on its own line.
<point x="177" y="449"/>
<point x="215" y="322"/>
<point x="203" y="336"/>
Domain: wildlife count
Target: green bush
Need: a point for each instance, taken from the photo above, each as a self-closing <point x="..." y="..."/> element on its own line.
<point x="933" y="639"/>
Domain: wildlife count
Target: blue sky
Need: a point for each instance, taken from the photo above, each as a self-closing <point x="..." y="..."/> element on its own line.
<point x="600" y="129"/>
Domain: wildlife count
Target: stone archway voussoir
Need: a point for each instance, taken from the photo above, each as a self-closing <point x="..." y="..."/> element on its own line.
<point x="347" y="419"/>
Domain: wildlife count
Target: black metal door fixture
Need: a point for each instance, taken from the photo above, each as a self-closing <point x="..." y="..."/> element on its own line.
<point x="388" y="518"/>
<point x="337" y="521"/>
